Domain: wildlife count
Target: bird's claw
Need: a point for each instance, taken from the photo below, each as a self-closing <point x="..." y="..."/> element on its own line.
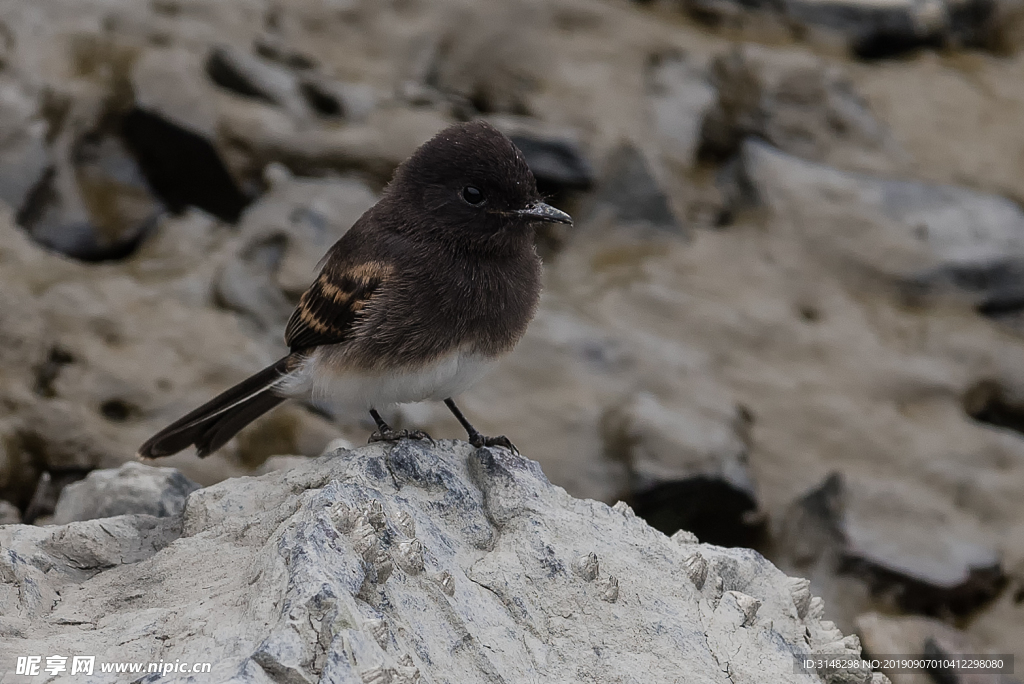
<point x="396" y="435"/>
<point x="479" y="440"/>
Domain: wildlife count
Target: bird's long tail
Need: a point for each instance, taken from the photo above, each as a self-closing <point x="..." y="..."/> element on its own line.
<point x="211" y="425"/>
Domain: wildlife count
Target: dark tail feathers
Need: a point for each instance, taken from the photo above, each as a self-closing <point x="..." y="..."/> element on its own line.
<point x="211" y="425"/>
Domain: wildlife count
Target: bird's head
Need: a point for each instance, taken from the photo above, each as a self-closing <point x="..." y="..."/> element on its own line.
<point x="470" y="185"/>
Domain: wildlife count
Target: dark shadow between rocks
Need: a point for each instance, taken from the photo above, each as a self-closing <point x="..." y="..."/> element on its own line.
<point x="916" y="596"/>
<point x="119" y="410"/>
<point x="49" y="370"/>
<point x="222" y="72"/>
<point x="558" y="165"/>
<point x="47" y="491"/>
<point x="182" y="167"/>
<point x="889" y="45"/>
<point x="93" y="202"/>
<point x="990" y="402"/>
<point x="715" y="511"/>
<point x="323" y="102"/>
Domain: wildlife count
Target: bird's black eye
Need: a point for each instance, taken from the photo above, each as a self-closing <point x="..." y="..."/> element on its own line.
<point x="472" y="194"/>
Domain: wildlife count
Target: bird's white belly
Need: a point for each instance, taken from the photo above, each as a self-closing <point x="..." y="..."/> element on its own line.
<point x="350" y="391"/>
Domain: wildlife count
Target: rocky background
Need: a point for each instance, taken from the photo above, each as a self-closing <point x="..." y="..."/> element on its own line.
<point x="789" y="315"/>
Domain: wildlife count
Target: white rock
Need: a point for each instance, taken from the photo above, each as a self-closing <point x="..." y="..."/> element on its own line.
<point x="132" y="488"/>
<point x="288" y="599"/>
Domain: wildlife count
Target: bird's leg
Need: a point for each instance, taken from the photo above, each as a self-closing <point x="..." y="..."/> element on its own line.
<point x="475" y="438"/>
<point x="384" y="432"/>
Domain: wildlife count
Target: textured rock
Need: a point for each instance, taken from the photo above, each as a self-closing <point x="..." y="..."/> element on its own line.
<point x="131" y="489"/>
<point x="313" y="575"/>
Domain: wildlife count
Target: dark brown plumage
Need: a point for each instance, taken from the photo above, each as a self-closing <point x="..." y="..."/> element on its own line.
<point x="436" y="280"/>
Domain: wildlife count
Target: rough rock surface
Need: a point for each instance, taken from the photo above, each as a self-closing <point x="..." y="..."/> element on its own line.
<point x="407" y="563"/>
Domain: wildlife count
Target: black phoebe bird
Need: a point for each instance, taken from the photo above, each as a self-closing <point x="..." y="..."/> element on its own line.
<point x="425" y="291"/>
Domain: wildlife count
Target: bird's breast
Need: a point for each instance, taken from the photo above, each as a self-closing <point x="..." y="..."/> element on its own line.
<point x="330" y="383"/>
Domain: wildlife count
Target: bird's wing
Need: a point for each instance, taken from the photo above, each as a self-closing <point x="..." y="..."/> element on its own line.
<point x="331" y="305"/>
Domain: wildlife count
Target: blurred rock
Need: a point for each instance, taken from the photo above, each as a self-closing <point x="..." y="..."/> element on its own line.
<point x="275" y="47"/>
<point x="405" y="560"/>
<point x="793" y="100"/>
<point x="283" y="237"/>
<point x="83" y="384"/>
<point x="914" y="637"/>
<point x="374" y="147"/>
<point x="96" y="208"/>
<point x="563" y="171"/>
<point x="245" y="284"/>
<point x="119" y="202"/>
<point x="133" y="488"/>
<point x="996" y="403"/>
<point x="47" y="491"/>
<point x="492" y="61"/>
<point x="1005" y="34"/>
<point x="922" y="555"/>
<point x="631" y="195"/>
<point x="250" y="76"/>
<point x="680" y="97"/>
<point x="331" y="98"/>
<point x="91" y="202"/>
<point x="875" y="30"/>
<point x="171" y="84"/>
<point x="24" y="157"/>
<point x="9" y="513"/>
<point x="932" y="240"/>
<point x="557" y="163"/>
<point x="688" y="468"/>
<point x="172" y="132"/>
<point x="291" y="429"/>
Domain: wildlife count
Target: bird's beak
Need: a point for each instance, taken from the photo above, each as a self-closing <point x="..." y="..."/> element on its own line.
<point x="538" y="211"/>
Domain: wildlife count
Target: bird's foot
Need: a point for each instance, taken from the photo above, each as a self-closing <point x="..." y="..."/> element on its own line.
<point x="479" y="440"/>
<point x="390" y="435"/>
